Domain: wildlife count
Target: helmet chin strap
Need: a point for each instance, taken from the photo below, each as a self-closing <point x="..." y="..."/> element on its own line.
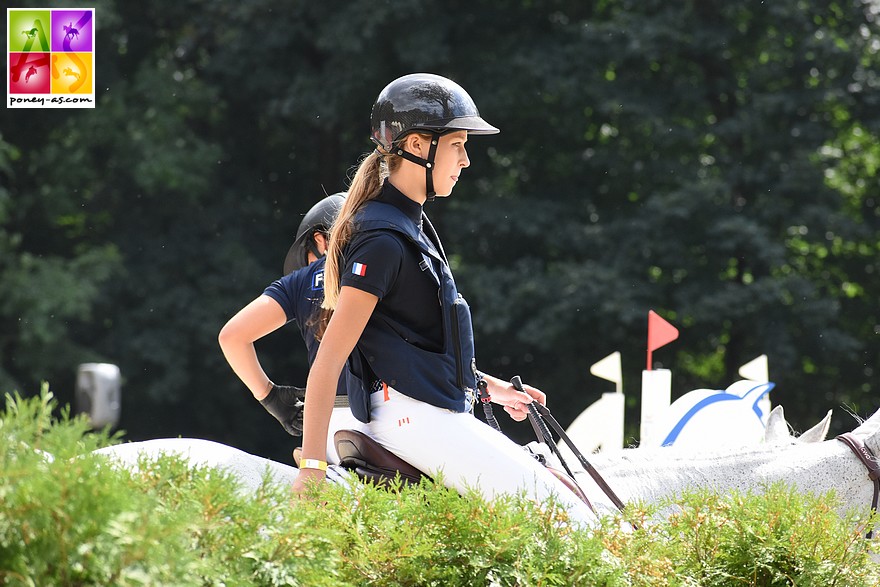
<point x="312" y="248"/>
<point x="428" y="163"/>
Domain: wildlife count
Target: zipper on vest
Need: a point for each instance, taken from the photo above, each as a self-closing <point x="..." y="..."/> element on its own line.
<point x="456" y="341"/>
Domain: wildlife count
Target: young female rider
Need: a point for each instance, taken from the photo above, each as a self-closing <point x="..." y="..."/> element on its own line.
<point x="400" y="332"/>
<point x="296" y="297"/>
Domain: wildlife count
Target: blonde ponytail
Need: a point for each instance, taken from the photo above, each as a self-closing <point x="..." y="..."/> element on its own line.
<point x="365" y="186"/>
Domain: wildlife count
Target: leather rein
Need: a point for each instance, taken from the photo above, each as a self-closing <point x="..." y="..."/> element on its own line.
<point x="870" y="461"/>
<point x="539" y="418"/>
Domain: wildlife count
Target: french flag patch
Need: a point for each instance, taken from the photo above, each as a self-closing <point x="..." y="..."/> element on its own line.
<point x="359" y="269"/>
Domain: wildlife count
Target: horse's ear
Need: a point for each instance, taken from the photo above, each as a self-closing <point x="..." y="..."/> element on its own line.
<point x="777" y="428"/>
<point x="818" y="432"/>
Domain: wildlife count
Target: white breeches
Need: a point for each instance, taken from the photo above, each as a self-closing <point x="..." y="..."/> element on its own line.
<point x="469" y="453"/>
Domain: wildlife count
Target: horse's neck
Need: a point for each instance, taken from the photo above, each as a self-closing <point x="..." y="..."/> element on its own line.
<point x="652" y="474"/>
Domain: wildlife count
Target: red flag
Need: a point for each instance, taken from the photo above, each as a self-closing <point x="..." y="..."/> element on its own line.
<point x="660" y="332"/>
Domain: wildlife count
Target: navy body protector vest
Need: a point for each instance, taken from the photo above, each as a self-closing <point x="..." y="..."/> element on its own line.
<point x="446" y="379"/>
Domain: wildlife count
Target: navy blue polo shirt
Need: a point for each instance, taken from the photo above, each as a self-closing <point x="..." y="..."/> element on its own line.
<point x="387" y="265"/>
<point x="300" y="294"/>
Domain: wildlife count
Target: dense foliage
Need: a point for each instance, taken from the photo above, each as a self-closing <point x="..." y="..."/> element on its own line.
<point x="714" y="161"/>
<point x="69" y="517"/>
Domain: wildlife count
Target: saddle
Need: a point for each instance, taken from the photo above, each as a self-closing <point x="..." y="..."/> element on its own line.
<point x="372" y="462"/>
<point x="369" y="460"/>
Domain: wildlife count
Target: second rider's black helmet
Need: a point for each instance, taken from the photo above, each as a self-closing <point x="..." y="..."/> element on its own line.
<point x="319" y="218"/>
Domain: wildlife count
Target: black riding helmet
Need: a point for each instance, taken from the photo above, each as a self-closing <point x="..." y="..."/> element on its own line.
<point x="423" y="102"/>
<point x="319" y="218"/>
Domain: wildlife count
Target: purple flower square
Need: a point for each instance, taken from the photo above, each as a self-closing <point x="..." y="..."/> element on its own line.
<point x="72" y="30"/>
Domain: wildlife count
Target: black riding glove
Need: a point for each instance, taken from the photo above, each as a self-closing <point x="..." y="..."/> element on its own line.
<point x="286" y="403"/>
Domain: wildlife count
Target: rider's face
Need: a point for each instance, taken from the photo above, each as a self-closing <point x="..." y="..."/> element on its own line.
<point x="450" y="159"/>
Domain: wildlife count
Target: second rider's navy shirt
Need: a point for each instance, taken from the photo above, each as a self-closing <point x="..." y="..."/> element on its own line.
<point x="300" y="294"/>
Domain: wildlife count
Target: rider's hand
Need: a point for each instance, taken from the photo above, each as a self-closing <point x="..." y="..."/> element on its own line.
<point x="286" y="403"/>
<point x="516" y="403"/>
<point x="306" y="478"/>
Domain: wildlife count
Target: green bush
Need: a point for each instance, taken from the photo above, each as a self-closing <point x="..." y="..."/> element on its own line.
<point x="772" y="537"/>
<point x="76" y="519"/>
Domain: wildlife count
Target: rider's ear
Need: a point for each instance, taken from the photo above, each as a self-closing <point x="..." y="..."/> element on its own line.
<point x="414" y="144"/>
<point x="321" y="242"/>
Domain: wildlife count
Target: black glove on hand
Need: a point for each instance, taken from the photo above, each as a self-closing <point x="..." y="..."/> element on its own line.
<point x="286" y="403"/>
